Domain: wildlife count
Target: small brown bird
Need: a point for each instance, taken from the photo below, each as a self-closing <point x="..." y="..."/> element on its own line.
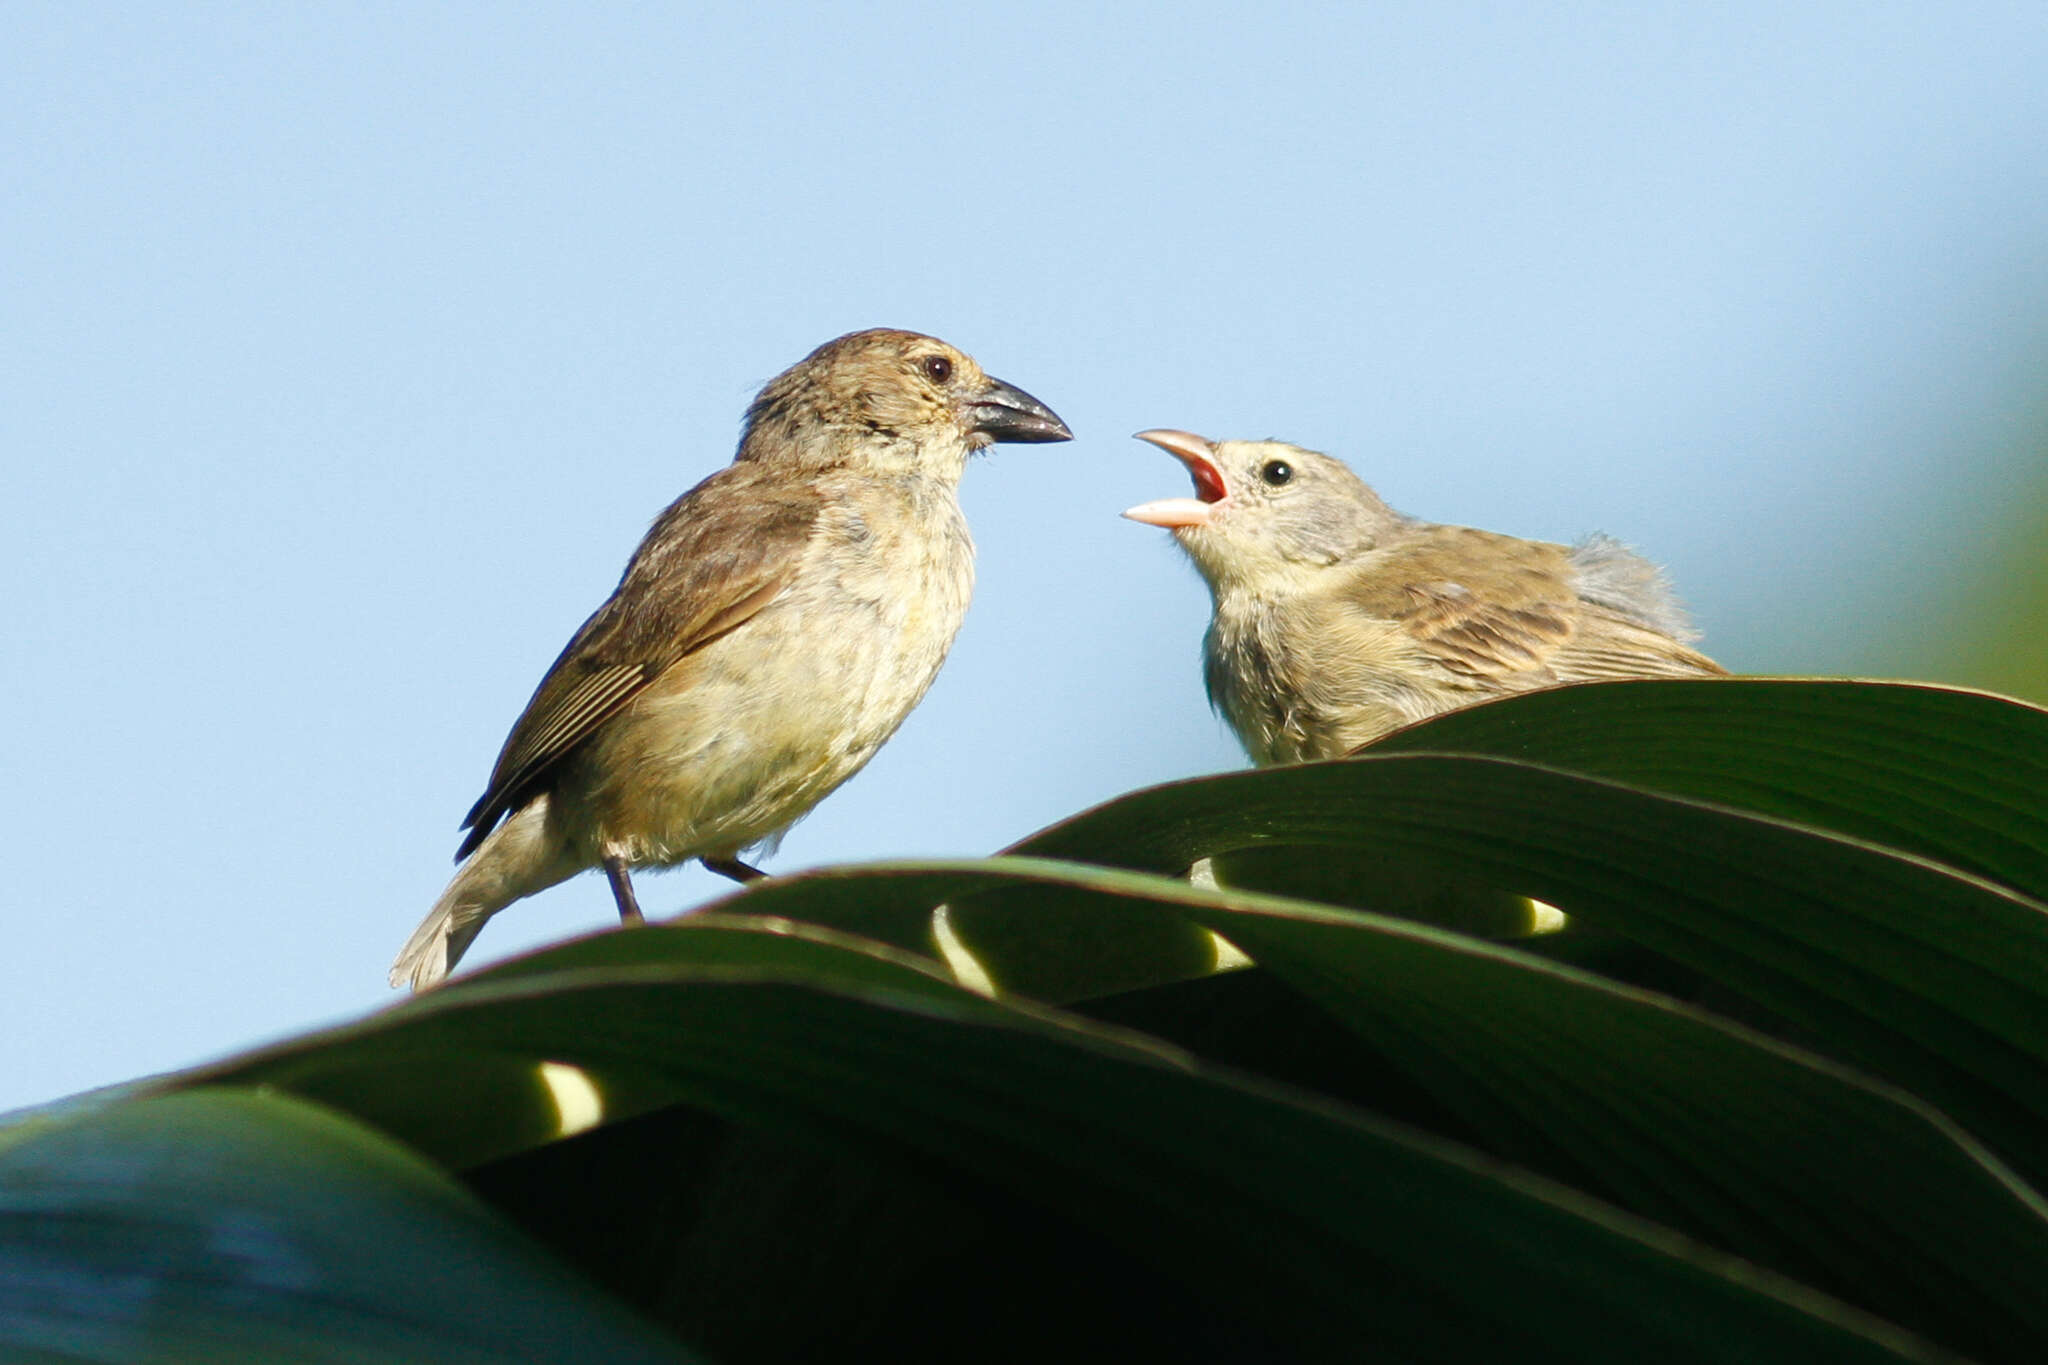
<point x="1338" y="619"/>
<point x="776" y="625"/>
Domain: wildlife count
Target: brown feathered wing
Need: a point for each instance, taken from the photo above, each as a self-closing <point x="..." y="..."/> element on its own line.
<point x="717" y="556"/>
<point x="1506" y="614"/>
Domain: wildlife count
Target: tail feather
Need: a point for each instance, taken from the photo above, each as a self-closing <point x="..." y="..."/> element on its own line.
<point x="440" y="941"/>
<point x="517" y="859"/>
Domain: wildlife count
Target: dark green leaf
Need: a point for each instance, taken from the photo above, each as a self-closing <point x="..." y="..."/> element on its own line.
<point x="1954" y="775"/>
<point x="1346" y="1235"/>
<point x="1773" y="1153"/>
<point x="1011" y="938"/>
<point x="224" y="1225"/>
<point x="1931" y="978"/>
<point x="755" y="942"/>
<point x="1776" y="1154"/>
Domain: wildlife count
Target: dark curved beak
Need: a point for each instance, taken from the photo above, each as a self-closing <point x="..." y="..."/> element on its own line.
<point x="1003" y="412"/>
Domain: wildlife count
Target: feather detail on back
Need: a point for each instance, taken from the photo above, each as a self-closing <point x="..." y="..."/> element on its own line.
<point x="1613" y="576"/>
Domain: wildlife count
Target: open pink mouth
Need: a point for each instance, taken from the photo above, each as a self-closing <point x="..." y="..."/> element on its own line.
<point x="1200" y="458"/>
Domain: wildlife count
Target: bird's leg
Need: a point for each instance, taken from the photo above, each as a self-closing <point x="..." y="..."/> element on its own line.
<point x="622" y="889"/>
<point x="733" y="868"/>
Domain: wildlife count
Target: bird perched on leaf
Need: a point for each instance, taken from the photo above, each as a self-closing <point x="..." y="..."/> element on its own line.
<point x="1338" y="619"/>
<point x="776" y="625"/>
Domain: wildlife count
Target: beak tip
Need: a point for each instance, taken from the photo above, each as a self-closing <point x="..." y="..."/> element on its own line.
<point x="1172" y="514"/>
<point x="1181" y="444"/>
<point x="1005" y="413"/>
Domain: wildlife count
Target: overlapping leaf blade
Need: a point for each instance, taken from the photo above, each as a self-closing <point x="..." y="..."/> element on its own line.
<point x="1934" y="979"/>
<point x="1779" y="1155"/>
<point x="1337" y="1231"/>
<point x="1947" y="773"/>
<point x="225" y="1225"/>
<point x="1755" y="1146"/>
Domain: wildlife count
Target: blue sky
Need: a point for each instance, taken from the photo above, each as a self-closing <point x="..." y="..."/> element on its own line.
<point x="350" y="350"/>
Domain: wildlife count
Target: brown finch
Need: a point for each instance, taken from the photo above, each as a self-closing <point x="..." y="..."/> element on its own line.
<point x="776" y="625"/>
<point x="1338" y="619"/>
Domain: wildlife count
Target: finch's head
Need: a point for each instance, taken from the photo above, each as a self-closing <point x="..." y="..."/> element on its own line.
<point x="890" y="402"/>
<point x="1265" y="512"/>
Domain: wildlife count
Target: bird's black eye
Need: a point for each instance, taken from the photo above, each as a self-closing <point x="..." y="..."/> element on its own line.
<point x="938" y="369"/>
<point x="1276" y="472"/>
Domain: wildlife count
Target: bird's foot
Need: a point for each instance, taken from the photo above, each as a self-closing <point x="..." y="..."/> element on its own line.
<point x="734" y="868"/>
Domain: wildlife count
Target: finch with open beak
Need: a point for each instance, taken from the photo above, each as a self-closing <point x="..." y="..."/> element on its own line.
<point x="773" y="629"/>
<point x="1338" y="619"/>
